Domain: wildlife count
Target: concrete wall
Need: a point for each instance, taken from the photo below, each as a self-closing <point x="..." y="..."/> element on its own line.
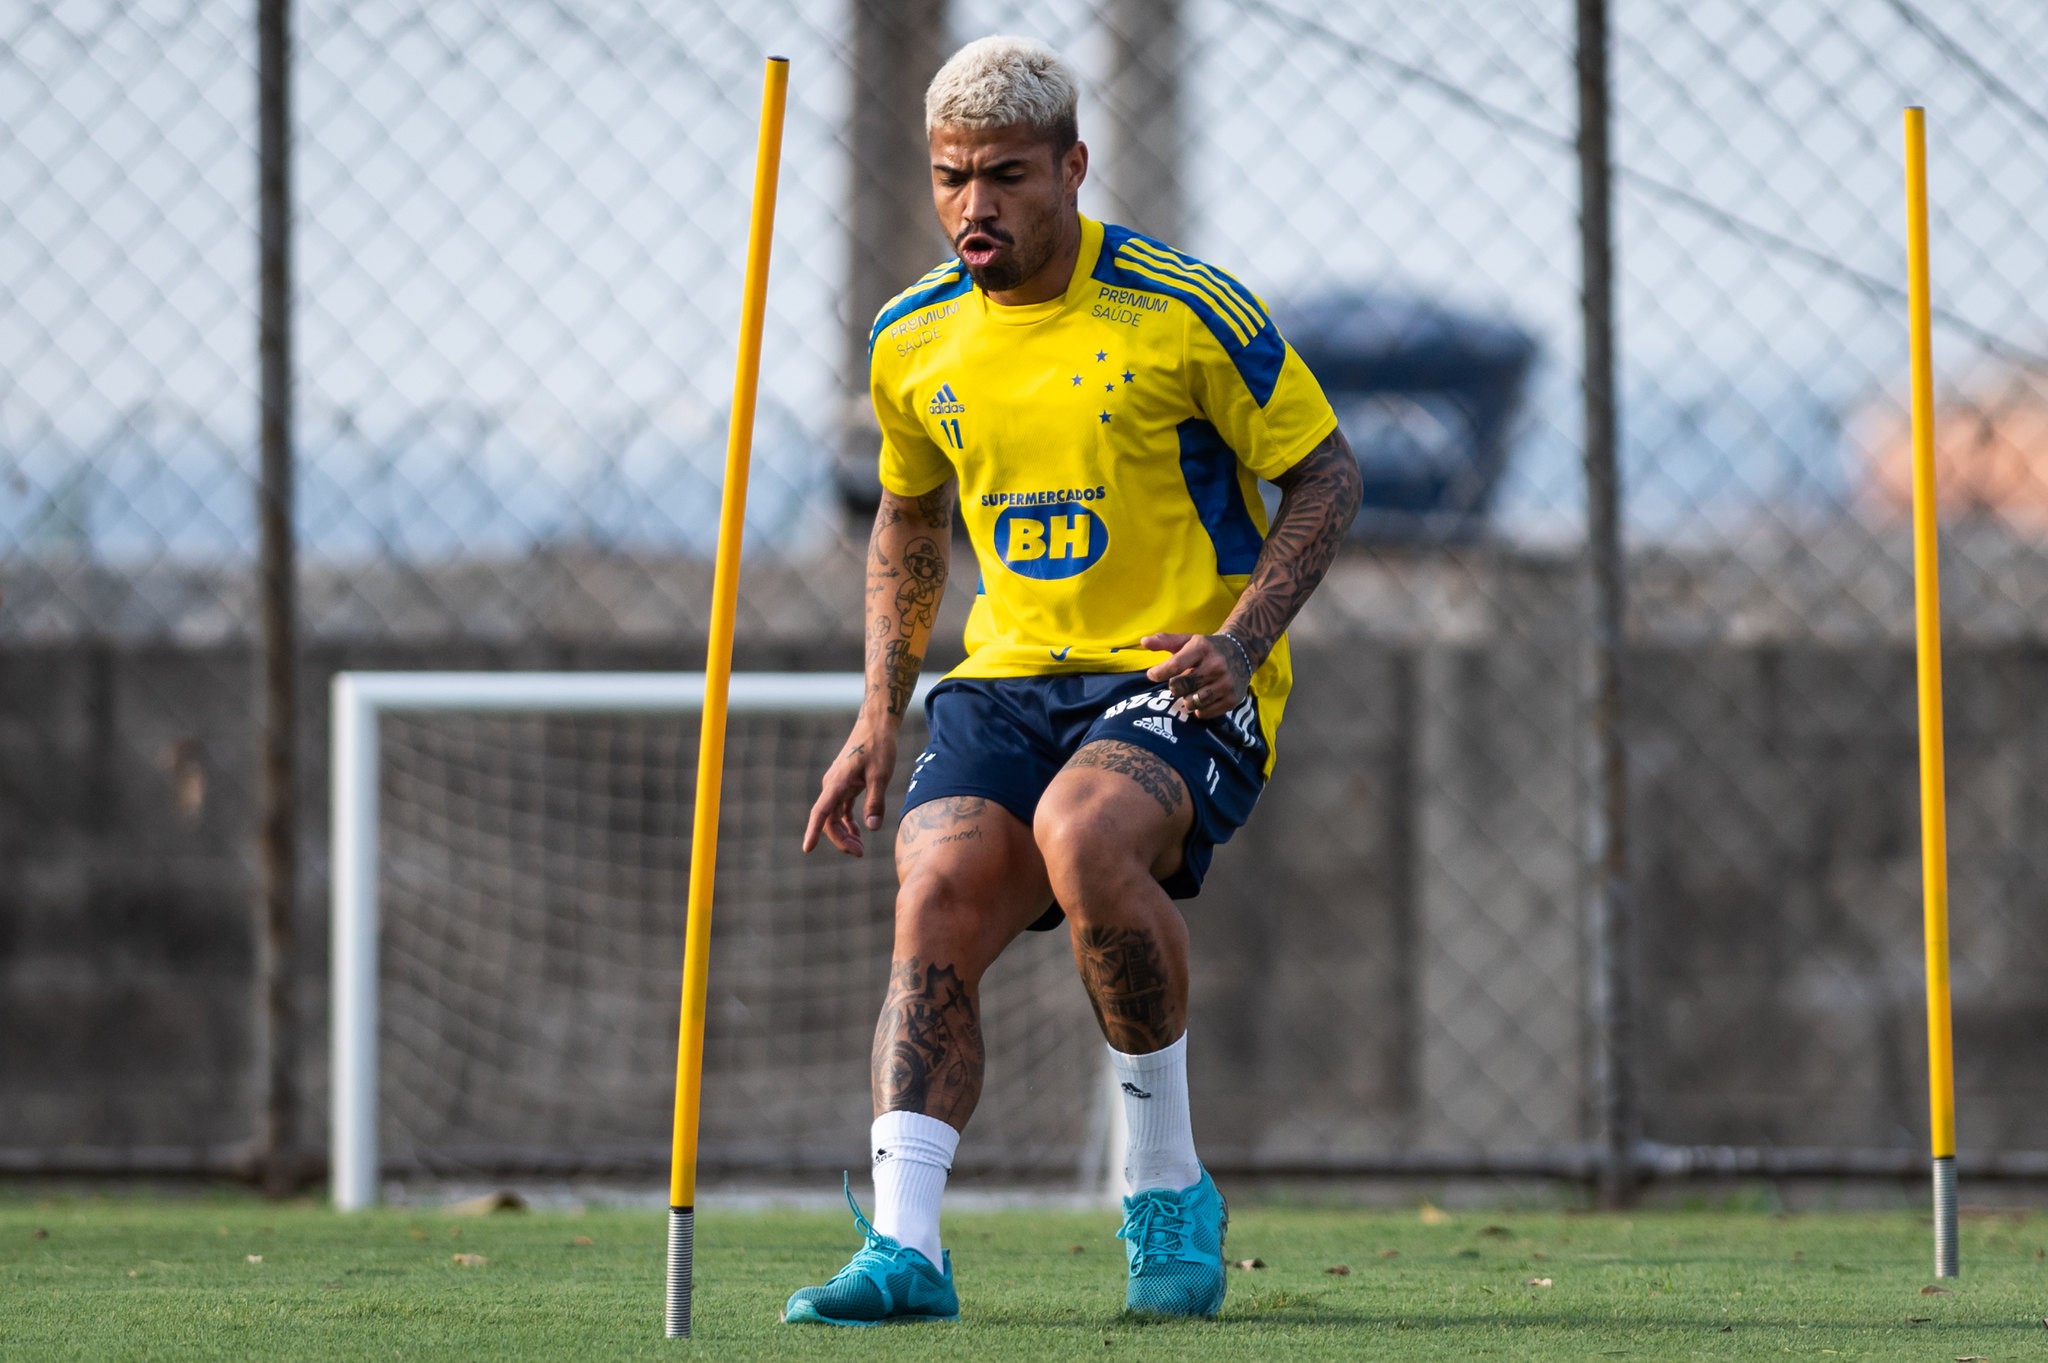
<point x="1388" y="957"/>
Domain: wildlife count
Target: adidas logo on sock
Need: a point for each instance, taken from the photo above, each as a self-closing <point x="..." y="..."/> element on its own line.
<point x="1134" y="1090"/>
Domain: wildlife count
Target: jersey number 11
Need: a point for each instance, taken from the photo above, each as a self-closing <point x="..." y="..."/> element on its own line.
<point x="951" y="428"/>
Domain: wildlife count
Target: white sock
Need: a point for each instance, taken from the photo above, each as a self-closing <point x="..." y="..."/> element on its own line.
<point x="1162" y="1148"/>
<point x="913" y="1154"/>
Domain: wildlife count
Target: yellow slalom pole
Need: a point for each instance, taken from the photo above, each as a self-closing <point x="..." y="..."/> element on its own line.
<point x="1941" y="1071"/>
<point x="725" y="581"/>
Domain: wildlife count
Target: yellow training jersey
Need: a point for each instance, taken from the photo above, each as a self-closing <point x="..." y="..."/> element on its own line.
<point x="1108" y="444"/>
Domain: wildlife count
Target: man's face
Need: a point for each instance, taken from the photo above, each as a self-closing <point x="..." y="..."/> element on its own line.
<point x="1002" y="196"/>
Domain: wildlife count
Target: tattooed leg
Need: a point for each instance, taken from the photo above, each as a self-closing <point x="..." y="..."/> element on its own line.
<point x="1139" y="1003"/>
<point x="928" y="1053"/>
<point x="1109" y="826"/>
<point x="972" y="880"/>
<point x="1152" y="775"/>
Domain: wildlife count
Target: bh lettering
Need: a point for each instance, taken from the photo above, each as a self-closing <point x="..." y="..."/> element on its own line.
<point x="1055" y="537"/>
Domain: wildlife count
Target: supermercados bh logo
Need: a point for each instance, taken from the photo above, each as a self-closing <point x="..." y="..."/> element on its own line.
<point x="1048" y="535"/>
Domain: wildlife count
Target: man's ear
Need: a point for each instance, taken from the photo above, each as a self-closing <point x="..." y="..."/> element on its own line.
<point x="1074" y="167"/>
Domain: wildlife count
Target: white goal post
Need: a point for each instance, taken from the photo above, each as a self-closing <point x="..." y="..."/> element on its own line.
<point x="359" y="700"/>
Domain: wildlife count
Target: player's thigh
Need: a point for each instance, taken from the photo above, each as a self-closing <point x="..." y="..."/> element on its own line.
<point x="968" y="874"/>
<point x="1113" y="807"/>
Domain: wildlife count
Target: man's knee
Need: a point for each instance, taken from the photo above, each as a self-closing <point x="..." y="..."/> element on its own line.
<point x="1090" y="850"/>
<point x="944" y="917"/>
<point x="1070" y="833"/>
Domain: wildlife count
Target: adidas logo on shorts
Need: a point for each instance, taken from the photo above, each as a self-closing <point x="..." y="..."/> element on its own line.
<point x="1156" y="724"/>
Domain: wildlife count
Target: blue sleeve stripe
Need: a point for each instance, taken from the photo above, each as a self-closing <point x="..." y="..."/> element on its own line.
<point x="1209" y="467"/>
<point x="1229" y="294"/>
<point x="949" y="281"/>
<point x="1245" y="296"/>
<point x="931" y="277"/>
<point x="1243" y="326"/>
<point x="1254" y="311"/>
<point x="1194" y="293"/>
<point x="1258" y="353"/>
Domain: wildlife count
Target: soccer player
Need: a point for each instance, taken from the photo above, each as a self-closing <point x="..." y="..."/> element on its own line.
<point x="1097" y="408"/>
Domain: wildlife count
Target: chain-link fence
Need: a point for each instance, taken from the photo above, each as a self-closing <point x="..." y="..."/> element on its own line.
<point x="517" y="233"/>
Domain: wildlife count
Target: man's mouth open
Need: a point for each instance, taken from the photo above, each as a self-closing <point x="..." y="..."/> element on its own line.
<point x="977" y="249"/>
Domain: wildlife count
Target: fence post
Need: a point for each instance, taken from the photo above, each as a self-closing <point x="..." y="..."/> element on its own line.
<point x="1142" y="100"/>
<point x="1609" y="907"/>
<point x="277" y="1050"/>
<point x="892" y="235"/>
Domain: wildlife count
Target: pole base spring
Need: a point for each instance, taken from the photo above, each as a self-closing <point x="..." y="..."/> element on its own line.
<point x="682" y="1236"/>
<point x="1945" y="1217"/>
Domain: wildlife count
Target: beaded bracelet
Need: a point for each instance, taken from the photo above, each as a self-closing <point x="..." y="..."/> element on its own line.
<point x="1247" y="653"/>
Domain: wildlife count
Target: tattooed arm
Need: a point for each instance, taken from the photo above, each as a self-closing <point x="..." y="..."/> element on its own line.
<point x="1318" y="498"/>
<point x="907" y="558"/>
<point x="906" y="577"/>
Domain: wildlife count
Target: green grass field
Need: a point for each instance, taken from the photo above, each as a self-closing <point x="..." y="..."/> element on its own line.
<point x="224" y="1276"/>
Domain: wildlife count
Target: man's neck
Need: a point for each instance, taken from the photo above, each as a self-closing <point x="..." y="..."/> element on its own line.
<point x="1051" y="281"/>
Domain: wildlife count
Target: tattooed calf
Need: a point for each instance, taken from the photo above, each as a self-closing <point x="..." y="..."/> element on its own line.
<point x="1127" y="983"/>
<point x="928" y="1053"/>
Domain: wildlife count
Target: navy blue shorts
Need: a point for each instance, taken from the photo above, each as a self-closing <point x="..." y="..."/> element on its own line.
<point x="1005" y="738"/>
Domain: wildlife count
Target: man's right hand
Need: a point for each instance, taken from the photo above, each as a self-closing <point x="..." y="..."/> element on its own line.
<point x="864" y="764"/>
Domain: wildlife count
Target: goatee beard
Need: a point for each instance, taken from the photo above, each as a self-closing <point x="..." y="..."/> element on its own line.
<point x="996" y="276"/>
<point x="1026" y="257"/>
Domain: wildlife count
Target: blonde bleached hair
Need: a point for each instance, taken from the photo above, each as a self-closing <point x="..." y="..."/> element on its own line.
<point x="1002" y="82"/>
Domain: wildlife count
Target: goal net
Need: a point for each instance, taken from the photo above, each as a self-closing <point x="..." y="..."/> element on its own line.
<point x="512" y="856"/>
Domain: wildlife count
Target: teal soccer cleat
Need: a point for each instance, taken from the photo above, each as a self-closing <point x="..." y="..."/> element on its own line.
<point x="883" y="1284"/>
<point x="1174" y="1242"/>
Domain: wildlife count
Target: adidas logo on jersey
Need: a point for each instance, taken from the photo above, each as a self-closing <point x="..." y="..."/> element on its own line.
<point x="1156" y="724"/>
<point x="944" y="403"/>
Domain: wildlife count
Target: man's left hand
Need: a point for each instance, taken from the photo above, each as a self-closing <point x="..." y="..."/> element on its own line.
<point x="1207" y="673"/>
